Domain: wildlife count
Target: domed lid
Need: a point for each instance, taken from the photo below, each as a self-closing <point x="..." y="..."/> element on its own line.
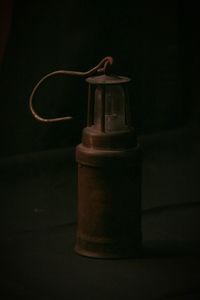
<point x="107" y="79"/>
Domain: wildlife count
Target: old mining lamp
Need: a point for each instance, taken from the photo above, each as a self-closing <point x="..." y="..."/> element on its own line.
<point x="109" y="168"/>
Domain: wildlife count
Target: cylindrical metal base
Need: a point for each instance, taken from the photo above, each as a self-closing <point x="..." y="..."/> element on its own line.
<point x="109" y="203"/>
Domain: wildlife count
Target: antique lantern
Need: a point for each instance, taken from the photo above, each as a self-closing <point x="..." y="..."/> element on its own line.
<point x="109" y="168"/>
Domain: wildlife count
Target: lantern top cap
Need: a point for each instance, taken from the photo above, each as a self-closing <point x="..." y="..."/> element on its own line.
<point x="107" y="79"/>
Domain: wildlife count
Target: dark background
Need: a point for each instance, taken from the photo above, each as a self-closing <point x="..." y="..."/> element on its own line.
<point x="156" y="44"/>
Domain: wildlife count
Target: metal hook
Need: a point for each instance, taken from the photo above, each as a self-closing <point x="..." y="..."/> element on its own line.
<point x="102" y="67"/>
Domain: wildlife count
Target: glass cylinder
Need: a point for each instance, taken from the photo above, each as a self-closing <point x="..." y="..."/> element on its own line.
<point x="109" y="108"/>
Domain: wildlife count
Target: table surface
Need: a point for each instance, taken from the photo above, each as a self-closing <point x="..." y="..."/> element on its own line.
<point x="38" y="216"/>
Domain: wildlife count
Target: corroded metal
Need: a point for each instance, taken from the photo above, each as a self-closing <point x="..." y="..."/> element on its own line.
<point x="107" y="79"/>
<point x="109" y="202"/>
<point x="109" y="185"/>
<point x="109" y="168"/>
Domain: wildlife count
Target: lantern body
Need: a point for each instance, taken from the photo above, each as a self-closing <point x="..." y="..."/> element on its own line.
<point x="109" y="174"/>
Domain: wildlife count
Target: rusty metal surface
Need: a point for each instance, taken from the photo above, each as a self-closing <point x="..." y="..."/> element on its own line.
<point x="109" y="196"/>
<point x="124" y="139"/>
<point x="107" y="79"/>
<point x="109" y="211"/>
<point x="109" y="168"/>
<point x="109" y="178"/>
<point x="113" y="158"/>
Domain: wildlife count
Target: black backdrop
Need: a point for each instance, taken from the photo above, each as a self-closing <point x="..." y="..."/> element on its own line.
<point x="153" y="42"/>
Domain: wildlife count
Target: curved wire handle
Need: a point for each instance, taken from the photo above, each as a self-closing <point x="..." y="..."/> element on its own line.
<point x="100" y="68"/>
